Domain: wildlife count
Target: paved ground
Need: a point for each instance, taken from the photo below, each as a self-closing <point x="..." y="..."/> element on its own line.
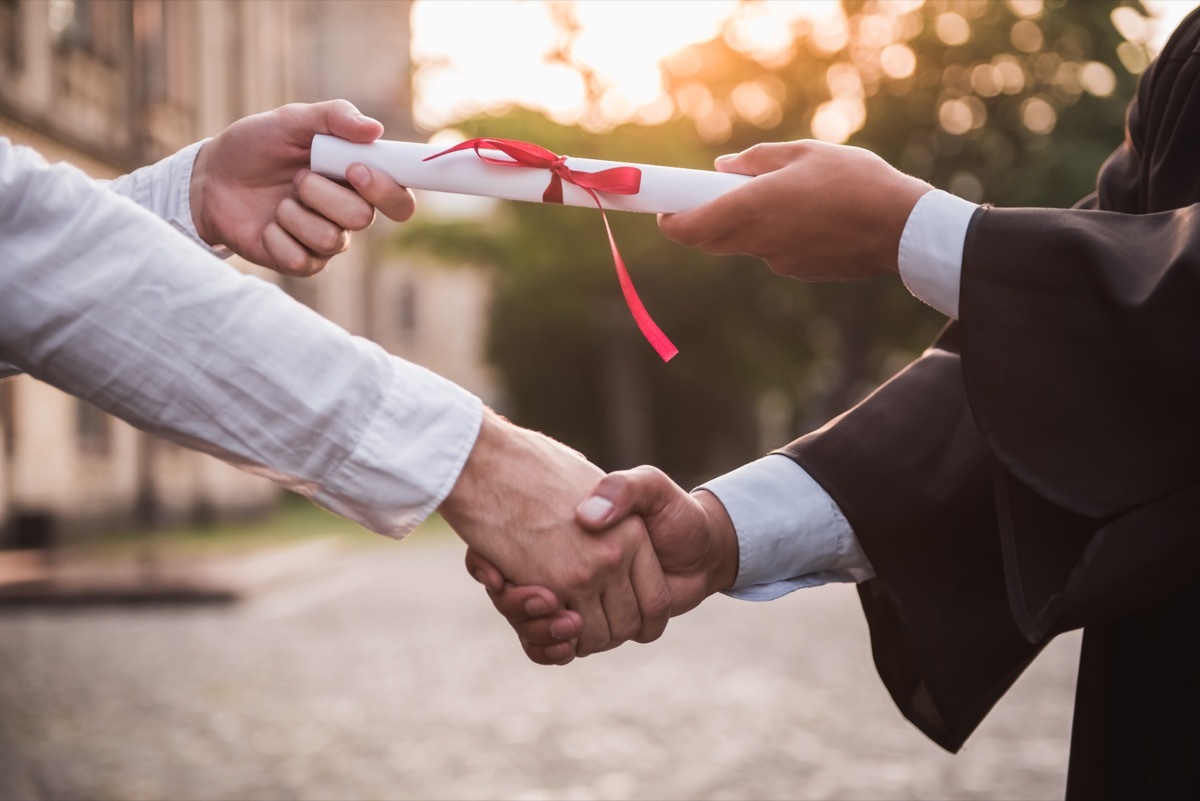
<point x="393" y="679"/>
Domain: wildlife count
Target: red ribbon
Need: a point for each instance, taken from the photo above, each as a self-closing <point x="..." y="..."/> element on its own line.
<point x="616" y="180"/>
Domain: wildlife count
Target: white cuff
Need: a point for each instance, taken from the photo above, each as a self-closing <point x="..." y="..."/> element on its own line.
<point x="791" y="534"/>
<point x="165" y="188"/>
<point x="931" y="249"/>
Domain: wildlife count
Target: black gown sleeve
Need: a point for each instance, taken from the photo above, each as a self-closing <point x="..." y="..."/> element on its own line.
<point x="913" y="476"/>
<point x="1038" y="468"/>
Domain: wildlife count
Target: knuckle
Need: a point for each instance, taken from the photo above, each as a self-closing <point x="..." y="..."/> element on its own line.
<point x="801" y="147"/>
<point x="303" y="184"/>
<point x="300" y="265"/>
<point x="756" y="150"/>
<point x="647" y="472"/>
<point x="296" y="266"/>
<point x="610" y="554"/>
<point x="332" y="240"/>
<point x="287" y="208"/>
<point x="687" y="235"/>
<point x="626" y="631"/>
<point x="659" y="606"/>
<point x="404" y="207"/>
<point x="578" y="576"/>
<point x="362" y="217"/>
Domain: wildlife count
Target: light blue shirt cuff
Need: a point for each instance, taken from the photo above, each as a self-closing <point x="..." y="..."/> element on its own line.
<point x="791" y="534"/>
<point x="931" y="249"/>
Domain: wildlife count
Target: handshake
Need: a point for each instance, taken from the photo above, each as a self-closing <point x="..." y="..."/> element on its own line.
<point x="579" y="562"/>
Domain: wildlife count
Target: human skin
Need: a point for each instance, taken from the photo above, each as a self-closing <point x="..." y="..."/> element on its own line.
<point x="252" y="191"/>
<point x="514" y="505"/>
<point x="692" y="536"/>
<point x="814" y="211"/>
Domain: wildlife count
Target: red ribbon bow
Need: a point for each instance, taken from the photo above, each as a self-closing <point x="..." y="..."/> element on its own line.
<point x="616" y="180"/>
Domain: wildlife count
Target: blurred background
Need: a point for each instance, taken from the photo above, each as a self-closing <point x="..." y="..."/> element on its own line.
<point x="173" y="628"/>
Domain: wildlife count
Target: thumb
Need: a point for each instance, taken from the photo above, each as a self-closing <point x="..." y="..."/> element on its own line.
<point x="756" y="160"/>
<point x="641" y="491"/>
<point x="340" y="118"/>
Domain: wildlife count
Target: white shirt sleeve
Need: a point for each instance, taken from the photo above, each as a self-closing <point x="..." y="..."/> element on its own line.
<point x="791" y="534"/>
<point x="931" y="249"/>
<point x="164" y="189"/>
<point x="108" y="302"/>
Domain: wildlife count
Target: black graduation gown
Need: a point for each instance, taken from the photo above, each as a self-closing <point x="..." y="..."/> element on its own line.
<point x="1038" y="468"/>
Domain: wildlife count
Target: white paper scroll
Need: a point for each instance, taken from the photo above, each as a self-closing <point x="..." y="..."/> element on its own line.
<point x="663" y="189"/>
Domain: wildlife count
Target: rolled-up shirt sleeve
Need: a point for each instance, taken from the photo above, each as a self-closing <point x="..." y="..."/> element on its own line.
<point x="110" y="303"/>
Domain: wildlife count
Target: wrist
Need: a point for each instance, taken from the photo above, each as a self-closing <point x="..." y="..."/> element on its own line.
<point x="198" y="193"/>
<point x="722" y="567"/>
<point x="484" y="459"/>
<point x="901" y="200"/>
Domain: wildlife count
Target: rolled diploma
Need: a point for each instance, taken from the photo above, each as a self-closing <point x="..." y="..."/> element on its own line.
<point x="663" y="189"/>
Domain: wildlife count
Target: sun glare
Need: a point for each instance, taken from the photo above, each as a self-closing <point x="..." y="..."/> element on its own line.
<point x="480" y="56"/>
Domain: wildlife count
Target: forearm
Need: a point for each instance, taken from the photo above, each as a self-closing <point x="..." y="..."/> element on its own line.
<point x="107" y="302"/>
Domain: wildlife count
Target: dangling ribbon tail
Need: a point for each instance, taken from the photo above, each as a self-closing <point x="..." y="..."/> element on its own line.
<point x="617" y="180"/>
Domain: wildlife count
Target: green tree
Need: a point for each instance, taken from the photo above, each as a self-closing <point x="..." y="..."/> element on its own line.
<point x="1015" y="103"/>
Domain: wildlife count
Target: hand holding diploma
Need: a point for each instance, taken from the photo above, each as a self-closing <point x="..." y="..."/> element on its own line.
<point x="814" y="211"/>
<point x="251" y="191"/>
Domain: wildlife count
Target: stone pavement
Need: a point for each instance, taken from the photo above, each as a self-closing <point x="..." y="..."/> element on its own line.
<point x="31" y="578"/>
<point x="391" y="678"/>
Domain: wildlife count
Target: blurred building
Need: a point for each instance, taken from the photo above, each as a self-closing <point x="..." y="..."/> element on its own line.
<point x="110" y="85"/>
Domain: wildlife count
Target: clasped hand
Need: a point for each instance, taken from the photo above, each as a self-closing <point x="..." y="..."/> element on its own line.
<point x="692" y="538"/>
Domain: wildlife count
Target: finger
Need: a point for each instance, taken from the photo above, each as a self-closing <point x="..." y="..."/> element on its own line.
<point x="484" y="571"/>
<point x="595" y="636"/>
<point x="519" y="604"/>
<point x="653" y="595"/>
<point x="724" y="246"/>
<point x="712" y="220"/>
<point x="762" y="158"/>
<point x="337" y="117"/>
<point x="728" y="213"/>
<point x="336" y="203"/>
<point x="623" y="613"/>
<point x="643" y="490"/>
<point x="395" y="201"/>
<point x="287" y="255"/>
<point x="619" y="597"/>
<point x="559" y="654"/>
<point x="546" y="631"/>
<point x="311" y="230"/>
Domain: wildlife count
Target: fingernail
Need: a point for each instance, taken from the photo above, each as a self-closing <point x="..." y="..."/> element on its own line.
<point x="726" y="157"/>
<point x="480" y="576"/>
<point x="595" y="508"/>
<point x="536" y="607"/>
<point x="364" y="118"/>
<point x="359" y="175"/>
<point x="562" y="629"/>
